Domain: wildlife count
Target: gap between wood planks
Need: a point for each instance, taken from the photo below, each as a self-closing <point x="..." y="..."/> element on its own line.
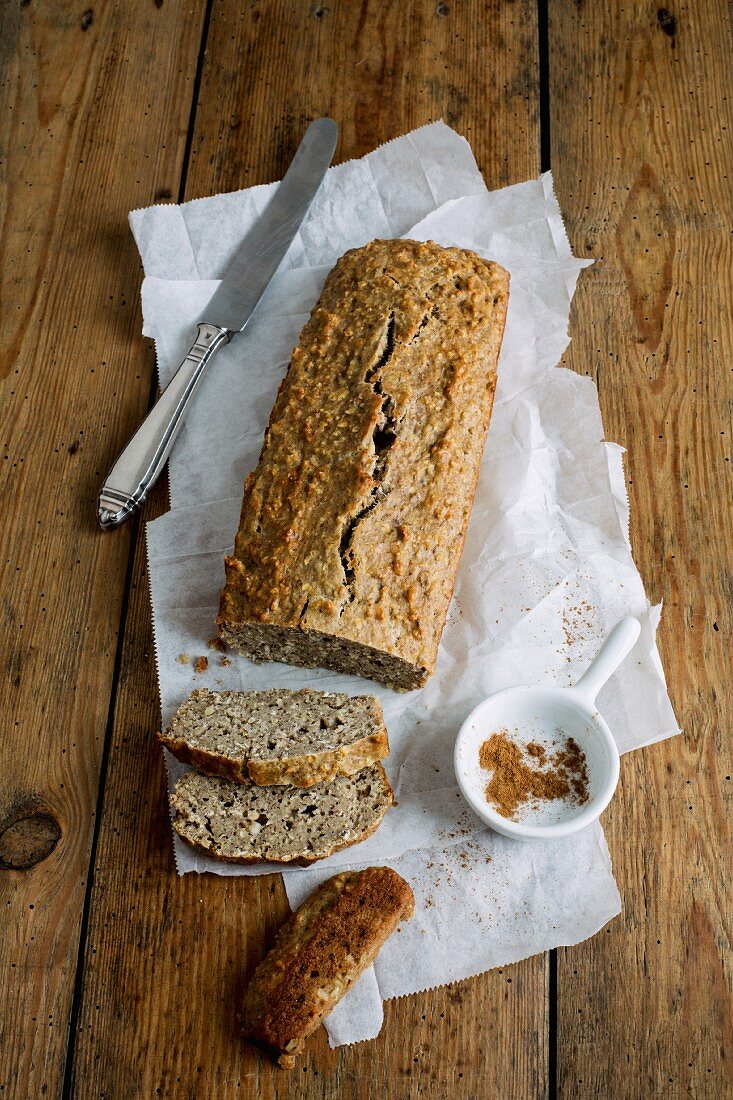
<point x="136" y="521"/>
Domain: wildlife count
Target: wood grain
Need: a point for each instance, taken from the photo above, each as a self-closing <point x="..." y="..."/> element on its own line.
<point x="378" y="69"/>
<point x="74" y="378"/>
<point x="180" y="949"/>
<point x="640" y="137"/>
<point x="641" y="118"/>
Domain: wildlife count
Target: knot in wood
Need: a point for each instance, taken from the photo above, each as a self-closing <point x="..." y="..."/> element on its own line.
<point x="667" y="22"/>
<point x="28" y="840"/>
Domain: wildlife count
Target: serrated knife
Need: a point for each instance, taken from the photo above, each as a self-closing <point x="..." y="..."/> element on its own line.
<point x="228" y="313"/>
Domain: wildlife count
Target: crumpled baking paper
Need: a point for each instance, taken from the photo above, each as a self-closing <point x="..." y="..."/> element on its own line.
<point x="546" y="570"/>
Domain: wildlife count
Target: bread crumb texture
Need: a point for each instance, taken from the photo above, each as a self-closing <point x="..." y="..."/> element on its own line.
<point x="248" y="823"/>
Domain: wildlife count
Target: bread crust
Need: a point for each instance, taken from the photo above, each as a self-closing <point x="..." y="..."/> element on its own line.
<point x="353" y="522"/>
<point x="307" y="770"/>
<point x="318" y="955"/>
<point x="300" y="771"/>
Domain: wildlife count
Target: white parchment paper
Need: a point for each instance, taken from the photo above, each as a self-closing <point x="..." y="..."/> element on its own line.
<point x="546" y="570"/>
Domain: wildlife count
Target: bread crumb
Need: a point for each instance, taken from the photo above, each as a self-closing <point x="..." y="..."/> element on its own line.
<point x="201" y="664"/>
<point x="224" y="662"/>
<point x="183" y="658"/>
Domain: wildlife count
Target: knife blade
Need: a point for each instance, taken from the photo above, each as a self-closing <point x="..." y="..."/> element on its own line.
<point x="226" y="315"/>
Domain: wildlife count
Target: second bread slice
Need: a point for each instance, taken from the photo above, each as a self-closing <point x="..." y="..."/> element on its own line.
<point x="297" y="738"/>
<point x="246" y="823"/>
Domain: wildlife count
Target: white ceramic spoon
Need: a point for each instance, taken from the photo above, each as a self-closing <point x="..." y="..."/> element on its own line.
<point x="548" y="715"/>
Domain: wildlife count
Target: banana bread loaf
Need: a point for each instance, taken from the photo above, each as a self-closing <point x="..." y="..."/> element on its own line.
<point x="353" y="522"/>
<point x="318" y="955"/>
<point x="278" y="736"/>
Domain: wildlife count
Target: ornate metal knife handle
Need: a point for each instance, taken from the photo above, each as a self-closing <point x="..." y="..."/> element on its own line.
<point x="138" y="467"/>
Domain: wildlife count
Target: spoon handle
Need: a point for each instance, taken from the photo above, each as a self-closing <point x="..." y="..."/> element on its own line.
<point x="616" y="646"/>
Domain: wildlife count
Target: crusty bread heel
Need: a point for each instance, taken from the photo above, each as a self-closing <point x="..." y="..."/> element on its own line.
<point x="318" y="955"/>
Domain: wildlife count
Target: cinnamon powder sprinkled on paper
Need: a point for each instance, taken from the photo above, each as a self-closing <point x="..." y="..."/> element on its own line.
<point x="518" y="779"/>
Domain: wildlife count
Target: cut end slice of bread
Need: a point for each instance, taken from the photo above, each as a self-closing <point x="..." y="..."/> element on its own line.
<point x="295" y="645"/>
<point x="247" y="823"/>
<point x="298" y="738"/>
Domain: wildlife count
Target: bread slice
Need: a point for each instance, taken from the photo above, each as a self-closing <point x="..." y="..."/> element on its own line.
<point x="318" y="955"/>
<point x="246" y="823"/>
<point x="278" y="736"/>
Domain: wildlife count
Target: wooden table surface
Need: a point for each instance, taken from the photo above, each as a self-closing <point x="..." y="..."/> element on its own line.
<point x="120" y="979"/>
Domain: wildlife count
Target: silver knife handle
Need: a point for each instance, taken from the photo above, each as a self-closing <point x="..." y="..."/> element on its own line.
<point x="140" y="464"/>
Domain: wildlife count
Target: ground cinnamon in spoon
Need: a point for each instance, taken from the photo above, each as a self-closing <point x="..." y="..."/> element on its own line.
<point x="572" y="760"/>
<point x="516" y="781"/>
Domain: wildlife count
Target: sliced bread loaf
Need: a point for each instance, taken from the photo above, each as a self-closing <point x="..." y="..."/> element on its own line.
<point x="247" y="823"/>
<point x="278" y="736"/>
<point x="318" y="955"/>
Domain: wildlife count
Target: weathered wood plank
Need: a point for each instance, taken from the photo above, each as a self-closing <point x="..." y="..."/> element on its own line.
<point x="85" y="135"/>
<point x="180" y="948"/>
<point x="641" y="118"/>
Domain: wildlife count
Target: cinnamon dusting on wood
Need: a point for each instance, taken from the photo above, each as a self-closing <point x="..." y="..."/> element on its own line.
<point x="531" y="774"/>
